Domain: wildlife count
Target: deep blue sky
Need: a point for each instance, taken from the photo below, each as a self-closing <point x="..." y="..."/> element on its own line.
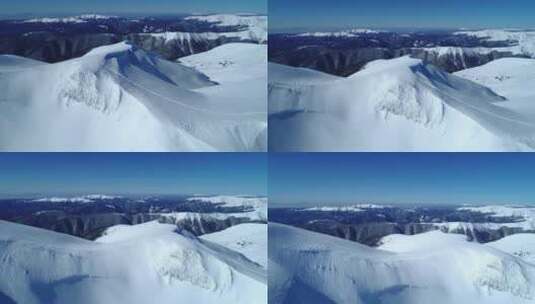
<point x="317" y="14"/>
<point x="132" y="173"/>
<point x="441" y="178"/>
<point x="41" y="7"/>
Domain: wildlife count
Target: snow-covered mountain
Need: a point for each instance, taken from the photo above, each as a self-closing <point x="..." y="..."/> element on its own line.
<point x="254" y="204"/>
<point x="54" y="39"/>
<point x="254" y="27"/>
<point x="76" y="199"/>
<point x="520" y="217"/>
<point x="251" y="29"/>
<point x="400" y="104"/>
<point x="72" y="19"/>
<point x="88" y="216"/>
<point x="247" y="210"/>
<point x="523" y="41"/>
<point x="350" y="208"/>
<point x="120" y="98"/>
<point x="145" y="263"/>
<point x="434" y="267"/>
<point x="351" y="33"/>
<point x="348" y="51"/>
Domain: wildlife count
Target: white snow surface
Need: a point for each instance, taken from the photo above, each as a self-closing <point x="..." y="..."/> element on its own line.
<point x="232" y="63"/>
<point x="434" y="267"/>
<point x="512" y="78"/>
<point x="120" y="98"/>
<point x="248" y="239"/>
<point x="400" y="104"/>
<point x="521" y="245"/>
<point x="145" y="263"/>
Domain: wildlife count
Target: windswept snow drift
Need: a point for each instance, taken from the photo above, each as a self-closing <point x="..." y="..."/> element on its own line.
<point x="434" y="267"/>
<point x="120" y="98"/>
<point x="145" y="263"/>
<point x="400" y="104"/>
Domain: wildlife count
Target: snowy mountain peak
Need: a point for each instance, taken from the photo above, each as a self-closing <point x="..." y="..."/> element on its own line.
<point x="119" y="59"/>
<point x="405" y="104"/>
<point x="107" y="50"/>
<point x="418" y="91"/>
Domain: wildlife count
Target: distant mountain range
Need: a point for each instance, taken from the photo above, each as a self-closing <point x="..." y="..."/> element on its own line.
<point x="343" y="53"/>
<point x="369" y="224"/>
<point x="58" y="39"/>
<point x="89" y="216"/>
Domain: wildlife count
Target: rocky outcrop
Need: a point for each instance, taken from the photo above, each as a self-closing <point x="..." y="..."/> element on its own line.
<point x="204" y="225"/>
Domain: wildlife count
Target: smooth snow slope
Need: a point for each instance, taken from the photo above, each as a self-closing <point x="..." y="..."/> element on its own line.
<point x="146" y="263"/>
<point x="521" y="245"/>
<point x="400" y="104"/>
<point x="240" y="69"/>
<point x="248" y="239"/>
<point x="512" y="78"/>
<point x="434" y="267"/>
<point x="120" y="98"/>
